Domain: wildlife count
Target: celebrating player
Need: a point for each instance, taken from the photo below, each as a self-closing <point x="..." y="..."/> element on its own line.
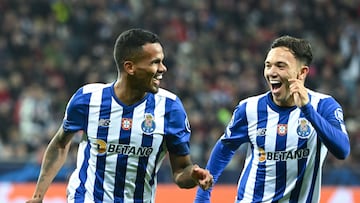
<point x="129" y="125"/>
<point x="289" y="131"/>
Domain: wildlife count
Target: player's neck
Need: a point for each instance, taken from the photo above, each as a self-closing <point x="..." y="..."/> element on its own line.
<point x="284" y="103"/>
<point x="126" y="94"/>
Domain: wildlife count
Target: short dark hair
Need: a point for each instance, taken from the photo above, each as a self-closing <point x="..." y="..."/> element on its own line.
<point x="301" y="48"/>
<point x="129" y="44"/>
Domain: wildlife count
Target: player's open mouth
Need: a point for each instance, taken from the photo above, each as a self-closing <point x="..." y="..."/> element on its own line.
<point x="275" y="85"/>
<point x="157" y="79"/>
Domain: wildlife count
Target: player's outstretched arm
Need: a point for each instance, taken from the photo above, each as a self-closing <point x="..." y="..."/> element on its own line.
<point x="219" y="158"/>
<point x="202" y="176"/>
<point x="54" y="158"/>
<point x="187" y="175"/>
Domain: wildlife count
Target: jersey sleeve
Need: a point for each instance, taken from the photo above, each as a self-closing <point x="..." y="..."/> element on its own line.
<point x="75" y="113"/>
<point x="177" y="128"/>
<point x="235" y="134"/>
<point x="219" y="159"/>
<point x="328" y="122"/>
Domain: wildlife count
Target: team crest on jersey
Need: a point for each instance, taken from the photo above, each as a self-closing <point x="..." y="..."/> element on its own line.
<point x="148" y="125"/>
<point x="339" y="115"/>
<point x="282" y="129"/>
<point x="126" y="123"/>
<point x="303" y="129"/>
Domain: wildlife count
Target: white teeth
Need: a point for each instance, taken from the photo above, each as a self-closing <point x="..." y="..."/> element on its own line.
<point x="274" y="82"/>
<point x="158" y="77"/>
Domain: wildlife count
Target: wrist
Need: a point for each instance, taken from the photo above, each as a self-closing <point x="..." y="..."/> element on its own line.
<point x="185" y="179"/>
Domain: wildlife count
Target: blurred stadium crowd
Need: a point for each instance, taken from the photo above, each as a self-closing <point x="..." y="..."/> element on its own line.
<point x="214" y="54"/>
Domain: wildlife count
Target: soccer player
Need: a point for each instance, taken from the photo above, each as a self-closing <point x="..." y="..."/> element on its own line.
<point x="288" y="130"/>
<point x="129" y="125"/>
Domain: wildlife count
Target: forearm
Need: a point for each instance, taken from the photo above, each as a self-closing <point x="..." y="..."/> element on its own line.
<point x="334" y="138"/>
<point x="184" y="178"/>
<point x="54" y="158"/>
<point x="219" y="158"/>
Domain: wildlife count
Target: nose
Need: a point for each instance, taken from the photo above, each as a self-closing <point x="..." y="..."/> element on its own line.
<point x="162" y="68"/>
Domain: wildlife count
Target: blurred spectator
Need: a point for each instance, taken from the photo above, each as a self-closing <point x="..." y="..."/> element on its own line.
<point x="35" y="116"/>
<point x="5" y="108"/>
<point x="350" y="74"/>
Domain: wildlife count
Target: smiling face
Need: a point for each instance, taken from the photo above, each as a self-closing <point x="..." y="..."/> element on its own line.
<point x="281" y="65"/>
<point x="146" y="72"/>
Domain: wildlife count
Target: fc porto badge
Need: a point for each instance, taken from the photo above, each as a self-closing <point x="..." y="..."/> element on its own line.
<point x="148" y="125"/>
<point x="303" y="129"/>
<point x="339" y="115"/>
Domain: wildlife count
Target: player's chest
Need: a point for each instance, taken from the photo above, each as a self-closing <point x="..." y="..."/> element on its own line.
<point x="281" y="130"/>
<point x="124" y="127"/>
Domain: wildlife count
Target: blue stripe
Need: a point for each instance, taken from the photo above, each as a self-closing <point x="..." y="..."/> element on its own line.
<point x="281" y="165"/>
<point x="147" y="141"/>
<point x="160" y="150"/>
<point x="80" y="191"/>
<point x="294" y="197"/>
<point x="79" y="196"/>
<point x="124" y="138"/>
<point x="102" y="133"/>
<point x="315" y="172"/>
<point x="242" y="184"/>
<point x="260" y="141"/>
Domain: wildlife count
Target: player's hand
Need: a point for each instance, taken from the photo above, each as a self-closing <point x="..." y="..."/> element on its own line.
<point x="202" y="177"/>
<point x="299" y="92"/>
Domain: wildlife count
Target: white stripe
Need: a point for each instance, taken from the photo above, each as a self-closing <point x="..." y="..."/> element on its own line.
<point x="343" y="128"/>
<point x="111" y="159"/>
<point x="158" y="136"/>
<point x="93" y="122"/>
<point x="132" y="162"/>
<point x="270" y="146"/>
<point x="74" y="180"/>
<point x="292" y="140"/>
<point x="251" y="113"/>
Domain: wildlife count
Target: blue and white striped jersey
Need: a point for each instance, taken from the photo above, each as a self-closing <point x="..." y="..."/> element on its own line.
<point x="123" y="146"/>
<point x="287" y="148"/>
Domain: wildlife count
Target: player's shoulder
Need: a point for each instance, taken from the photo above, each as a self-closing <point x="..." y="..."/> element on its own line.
<point x="167" y="94"/>
<point x="318" y="95"/>
<point x="84" y="92"/>
<point x="323" y="101"/>
<point x="253" y="99"/>
<point x="94" y="87"/>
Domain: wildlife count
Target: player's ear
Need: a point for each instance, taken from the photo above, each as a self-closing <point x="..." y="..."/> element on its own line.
<point x="129" y="67"/>
<point x="303" y="72"/>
